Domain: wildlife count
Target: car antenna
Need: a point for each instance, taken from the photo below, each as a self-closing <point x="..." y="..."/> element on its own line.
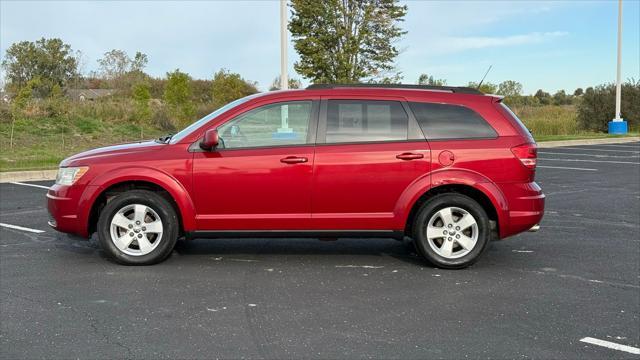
<point x="485" y="75"/>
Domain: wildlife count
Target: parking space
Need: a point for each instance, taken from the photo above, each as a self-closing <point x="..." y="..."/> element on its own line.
<point x="572" y="290"/>
<point x="583" y="158"/>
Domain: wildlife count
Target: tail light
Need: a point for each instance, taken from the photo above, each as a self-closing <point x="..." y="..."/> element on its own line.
<point x="527" y="154"/>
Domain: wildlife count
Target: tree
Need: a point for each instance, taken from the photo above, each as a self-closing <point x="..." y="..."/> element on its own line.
<point x="201" y="90"/>
<point x="293" y="84"/>
<point x="56" y="104"/>
<point x="578" y="92"/>
<point x="543" y="97"/>
<point x="24" y="96"/>
<point x="141" y="96"/>
<point x="20" y="103"/>
<point x="346" y="41"/>
<point x="486" y="87"/>
<point x="561" y="98"/>
<point x="51" y="61"/>
<point x="228" y="86"/>
<point x="122" y="71"/>
<point x="597" y="107"/>
<point x="114" y="64"/>
<point x="139" y="62"/>
<point x="510" y="88"/>
<point x="425" y="79"/>
<point x="177" y="96"/>
<point x="81" y="63"/>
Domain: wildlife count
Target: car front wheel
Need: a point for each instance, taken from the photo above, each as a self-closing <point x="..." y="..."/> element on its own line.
<point x="138" y="227"/>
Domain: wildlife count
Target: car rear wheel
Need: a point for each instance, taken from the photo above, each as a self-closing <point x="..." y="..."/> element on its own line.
<point x="451" y="231"/>
<point x="138" y="227"/>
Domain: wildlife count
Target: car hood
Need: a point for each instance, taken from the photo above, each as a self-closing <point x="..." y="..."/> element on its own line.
<point x="108" y="152"/>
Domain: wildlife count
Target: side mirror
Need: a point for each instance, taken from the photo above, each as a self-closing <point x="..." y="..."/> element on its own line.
<point x="210" y="140"/>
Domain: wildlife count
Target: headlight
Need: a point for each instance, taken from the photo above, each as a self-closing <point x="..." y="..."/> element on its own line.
<point x="69" y="175"/>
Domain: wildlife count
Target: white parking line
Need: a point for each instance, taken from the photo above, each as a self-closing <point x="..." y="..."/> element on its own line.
<point x="611" y="345"/>
<point x="16" y="227"/>
<point x="33" y="185"/>
<point x="565" y="168"/>
<point x="596" y="161"/>
<point x="622" y="146"/>
<point x="593" y="155"/>
<point x="593" y="149"/>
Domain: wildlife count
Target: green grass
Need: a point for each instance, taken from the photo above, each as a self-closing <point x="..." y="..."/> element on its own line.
<point x="41" y="143"/>
<point x="549" y="120"/>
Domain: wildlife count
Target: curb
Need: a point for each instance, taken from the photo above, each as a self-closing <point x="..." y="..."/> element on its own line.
<point x="32" y="175"/>
<point x="40" y="175"/>
<point x="558" y="143"/>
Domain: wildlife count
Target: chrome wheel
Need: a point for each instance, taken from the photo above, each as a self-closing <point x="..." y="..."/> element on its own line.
<point x="452" y="232"/>
<point x="136" y="229"/>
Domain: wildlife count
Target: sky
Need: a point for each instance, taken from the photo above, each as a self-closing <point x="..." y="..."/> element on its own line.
<point x="548" y="45"/>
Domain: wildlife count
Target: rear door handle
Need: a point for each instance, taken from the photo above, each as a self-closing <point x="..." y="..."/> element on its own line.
<point x="294" y="160"/>
<point x="409" y="156"/>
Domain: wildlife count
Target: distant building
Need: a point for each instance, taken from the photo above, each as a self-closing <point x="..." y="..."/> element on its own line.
<point x="88" y="94"/>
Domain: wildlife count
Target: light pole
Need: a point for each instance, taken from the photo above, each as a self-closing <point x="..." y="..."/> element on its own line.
<point x="284" y="81"/>
<point x="618" y="125"/>
<point x="284" y="131"/>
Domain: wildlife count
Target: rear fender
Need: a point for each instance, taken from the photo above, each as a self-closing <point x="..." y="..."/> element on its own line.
<point x="443" y="177"/>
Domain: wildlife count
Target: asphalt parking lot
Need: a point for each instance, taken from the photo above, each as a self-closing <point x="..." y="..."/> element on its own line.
<point x="536" y="295"/>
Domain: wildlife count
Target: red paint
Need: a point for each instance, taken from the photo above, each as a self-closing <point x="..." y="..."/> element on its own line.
<point x="367" y="186"/>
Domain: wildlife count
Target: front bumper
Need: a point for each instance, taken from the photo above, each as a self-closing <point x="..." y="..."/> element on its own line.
<point x="62" y="203"/>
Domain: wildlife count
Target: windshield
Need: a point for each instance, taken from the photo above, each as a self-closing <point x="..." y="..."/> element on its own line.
<point x="191" y="128"/>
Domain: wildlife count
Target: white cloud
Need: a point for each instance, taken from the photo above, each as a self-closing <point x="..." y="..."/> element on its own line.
<point x="447" y="17"/>
<point x="453" y="44"/>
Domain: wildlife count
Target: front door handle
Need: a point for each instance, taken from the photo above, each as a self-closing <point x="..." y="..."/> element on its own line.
<point x="294" y="160"/>
<point x="409" y="156"/>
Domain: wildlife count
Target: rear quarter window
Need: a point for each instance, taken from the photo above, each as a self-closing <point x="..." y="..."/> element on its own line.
<point x="446" y="121"/>
<point x="520" y="127"/>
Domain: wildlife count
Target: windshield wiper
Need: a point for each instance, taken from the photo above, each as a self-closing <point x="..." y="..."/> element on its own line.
<point x="164" y="139"/>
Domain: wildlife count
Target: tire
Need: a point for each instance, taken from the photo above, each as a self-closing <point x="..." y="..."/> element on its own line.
<point x="465" y="238"/>
<point x="149" y="242"/>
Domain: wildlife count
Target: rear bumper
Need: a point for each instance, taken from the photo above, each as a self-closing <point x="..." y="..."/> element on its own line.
<point x="525" y="207"/>
<point x="62" y="203"/>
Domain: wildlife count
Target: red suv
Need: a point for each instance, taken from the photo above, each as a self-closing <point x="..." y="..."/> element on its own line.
<point x="449" y="167"/>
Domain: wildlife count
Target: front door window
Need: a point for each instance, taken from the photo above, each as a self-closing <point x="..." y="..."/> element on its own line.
<point x="278" y="124"/>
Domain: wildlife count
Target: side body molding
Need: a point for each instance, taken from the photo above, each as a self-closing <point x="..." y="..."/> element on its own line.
<point x="451" y="176"/>
<point x="139" y="173"/>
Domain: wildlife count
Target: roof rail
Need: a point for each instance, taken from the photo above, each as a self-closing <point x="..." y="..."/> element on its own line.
<point x="453" y="89"/>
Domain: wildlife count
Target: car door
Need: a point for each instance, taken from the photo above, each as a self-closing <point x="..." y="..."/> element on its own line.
<point x="259" y="177"/>
<point x="368" y="152"/>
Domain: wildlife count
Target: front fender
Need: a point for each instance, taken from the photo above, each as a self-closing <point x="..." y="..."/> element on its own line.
<point x="139" y="173"/>
<point x="450" y="176"/>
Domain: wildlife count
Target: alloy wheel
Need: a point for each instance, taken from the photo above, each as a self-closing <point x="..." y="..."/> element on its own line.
<point x="136" y="229"/>
<point x="452" y="232"/>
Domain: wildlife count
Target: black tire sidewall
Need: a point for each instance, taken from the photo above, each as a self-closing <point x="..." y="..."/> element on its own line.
<point x="153" y="200"/>
<point x="437" y="203"/>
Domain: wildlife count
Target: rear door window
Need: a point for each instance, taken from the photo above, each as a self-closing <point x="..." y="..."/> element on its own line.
<point x="350" y="121"/>
<point x="446" y="121"/>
